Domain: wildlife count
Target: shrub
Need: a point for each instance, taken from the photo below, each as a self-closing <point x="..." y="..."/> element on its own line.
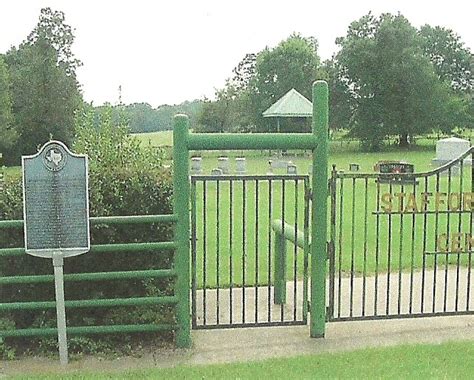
<point x="124" y="179"/>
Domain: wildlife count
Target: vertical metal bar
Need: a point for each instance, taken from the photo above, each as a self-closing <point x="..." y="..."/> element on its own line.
<point x="469" y="266"/>
<point x="341" y="217"/>
<point x="400" y="252"/>
<point x="269" y="291"/>
<point x="351" y="290"/>
<point x="204" y="250"/>
<point x="332" y="257"/>
<point x="256" y="249"/>
<point x="423" y="265"/>
<point x="436" y="249"/>
<point x="193" y="251"/>
<point x="319" y="210"/>
<point x="181" y="209"/>
<point x="283" y="256"/>
<point x="306" y="250"/>
<point x="295" y="257"/>
<point x="458" y="259"/>
<point x="217" y="249"/>
<point x="389" y="257"/>
<point x="231" y="238"/>
<point x="364" y="274"/>
<point x="244" y="251"/>
<point x="448" y="230"/>
<point x="412" y="263"/>
<point x="377" y="250"/>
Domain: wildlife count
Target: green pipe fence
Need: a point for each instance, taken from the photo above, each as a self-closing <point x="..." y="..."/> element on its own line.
<point x="183" y="143"/>
<point x="96" y="276"/>
<point x="283" y="232"/>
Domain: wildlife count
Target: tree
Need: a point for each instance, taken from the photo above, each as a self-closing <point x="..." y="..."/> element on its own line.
<point x="292" y="64"/>
<point x="7" y="133"/>
<point x="340" y="99"/>
<point x="45" y="91"/>
<point x="395" y="88"/>
<point x="452" y="60"/>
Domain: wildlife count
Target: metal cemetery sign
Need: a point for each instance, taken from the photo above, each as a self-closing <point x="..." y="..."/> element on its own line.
<point x="56" y="215"/>
<point x="56" y="210"/>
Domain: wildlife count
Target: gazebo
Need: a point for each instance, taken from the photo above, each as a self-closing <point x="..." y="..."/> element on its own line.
<point x="292" y="104"/>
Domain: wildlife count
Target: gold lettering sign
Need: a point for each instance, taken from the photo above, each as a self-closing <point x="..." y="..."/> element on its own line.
<point x="426" y="201"/>
<point x="456" y="242"/>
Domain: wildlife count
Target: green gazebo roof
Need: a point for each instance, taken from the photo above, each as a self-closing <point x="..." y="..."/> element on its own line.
<point x="292" y="104"/>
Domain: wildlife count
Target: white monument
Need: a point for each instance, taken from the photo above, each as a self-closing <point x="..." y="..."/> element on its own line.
<point x="240" y="165"/>
<point x="196" y="165"/>
<point x="223" y="164"/>
<point x="449" y="149"/>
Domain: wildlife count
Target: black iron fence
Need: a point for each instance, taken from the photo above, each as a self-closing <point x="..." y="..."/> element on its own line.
<point x="234" y="264"/>
<point x="401" y="244"/>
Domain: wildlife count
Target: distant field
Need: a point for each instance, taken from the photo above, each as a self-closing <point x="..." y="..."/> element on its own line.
<point x="164" y="138"/>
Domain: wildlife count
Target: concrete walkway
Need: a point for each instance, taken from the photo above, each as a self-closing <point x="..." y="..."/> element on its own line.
<point x="236" y="345"/>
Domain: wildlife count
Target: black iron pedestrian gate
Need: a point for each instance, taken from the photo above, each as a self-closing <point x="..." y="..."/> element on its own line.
<point x="401" y="244"/>
<point x="240" y="277"/>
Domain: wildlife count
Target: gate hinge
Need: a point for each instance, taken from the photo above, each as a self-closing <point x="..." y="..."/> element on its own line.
<point x="308" y="195"/>
<point x="308" y="306"/>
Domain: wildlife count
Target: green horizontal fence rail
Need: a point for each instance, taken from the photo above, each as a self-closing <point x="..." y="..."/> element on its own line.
<point x="96" y="276"/>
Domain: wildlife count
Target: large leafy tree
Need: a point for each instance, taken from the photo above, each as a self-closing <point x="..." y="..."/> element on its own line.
<point x="45" y="91"/>
<point x="453" y="61"/>
<point x="394" y="85"/>
<point x="340" y="99"/>
<point x="7" y="133"/>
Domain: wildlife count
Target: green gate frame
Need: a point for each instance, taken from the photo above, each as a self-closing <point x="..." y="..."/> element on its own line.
<point x="317" y="142"/>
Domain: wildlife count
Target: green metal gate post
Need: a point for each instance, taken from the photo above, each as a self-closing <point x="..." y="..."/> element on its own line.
<point x="319" y="210"/>
<point x="181" y="210"/>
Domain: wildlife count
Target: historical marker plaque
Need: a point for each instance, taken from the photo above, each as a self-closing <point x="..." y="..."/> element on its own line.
<point x="56" y="215"/>
<point x="56" y="205"/>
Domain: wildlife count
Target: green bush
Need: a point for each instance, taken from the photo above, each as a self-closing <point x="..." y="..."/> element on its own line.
<point x="124" y="179"/>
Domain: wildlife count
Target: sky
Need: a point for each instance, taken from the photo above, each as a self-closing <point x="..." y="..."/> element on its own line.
<point x="166" y="52"/>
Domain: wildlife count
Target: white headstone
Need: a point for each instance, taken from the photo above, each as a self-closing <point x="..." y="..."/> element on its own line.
<point x="196" y="164"/>
<point x="223" y="164"/>
<point x="449" y="149"/>
<point x="240" y="165"/>
<point x="291" y="168"/>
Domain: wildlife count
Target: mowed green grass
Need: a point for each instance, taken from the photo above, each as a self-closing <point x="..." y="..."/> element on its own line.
<point x="440" y="361"/>
<point x="163" y="138"/>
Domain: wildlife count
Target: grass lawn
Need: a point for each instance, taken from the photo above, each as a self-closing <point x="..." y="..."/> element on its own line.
<point x="164" y="138"/>
<point x="443" y="361"/>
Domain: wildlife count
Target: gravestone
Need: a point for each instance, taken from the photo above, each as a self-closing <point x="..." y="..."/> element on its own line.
<point x="223" y="164"/>
<point x="240" y="165"/>
<point x="354" y="167"/>
<point x="216" y="171"/>
<point x="56" y="215"/>
<point x="449" y="149"/>
<point x="291" y="168"/>
<point x="196" y="165"/>
<point x="395" y="167"/>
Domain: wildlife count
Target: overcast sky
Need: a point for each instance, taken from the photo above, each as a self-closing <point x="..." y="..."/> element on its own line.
<point x="165" y="52"/>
